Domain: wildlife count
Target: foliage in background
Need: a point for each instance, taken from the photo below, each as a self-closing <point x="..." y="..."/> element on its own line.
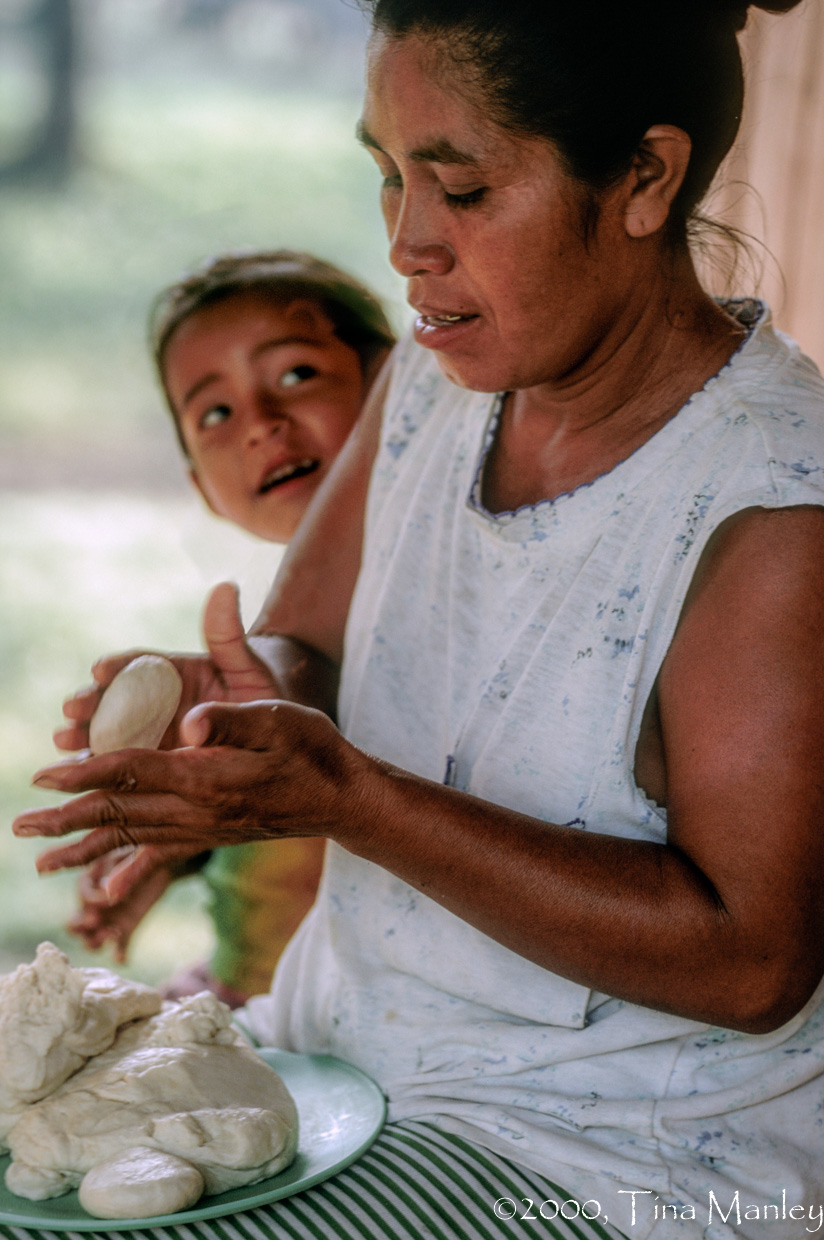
<point x="169" y="179"/>
<point x="81" y="575"/>
<point x="101" y="545"/>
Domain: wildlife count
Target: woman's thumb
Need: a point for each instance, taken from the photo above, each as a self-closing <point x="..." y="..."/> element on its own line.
<point x="249" y="725"/>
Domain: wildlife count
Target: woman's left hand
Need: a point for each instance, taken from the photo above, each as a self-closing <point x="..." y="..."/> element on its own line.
<point x="260" y="770"/>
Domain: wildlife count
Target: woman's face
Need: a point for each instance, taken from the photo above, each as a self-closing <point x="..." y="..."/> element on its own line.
<point x="265" y="396"/>
<point x="487" y="229"/>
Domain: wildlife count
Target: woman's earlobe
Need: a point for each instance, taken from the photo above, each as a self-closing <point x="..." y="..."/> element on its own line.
<point x="658" y="172"/>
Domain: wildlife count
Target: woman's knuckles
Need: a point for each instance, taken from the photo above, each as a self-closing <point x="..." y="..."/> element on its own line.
<point x="242" y="725"/>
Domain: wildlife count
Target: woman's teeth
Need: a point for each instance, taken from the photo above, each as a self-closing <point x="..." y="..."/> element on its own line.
<point x="441" y="320"/>
<point x="294" y="469"/>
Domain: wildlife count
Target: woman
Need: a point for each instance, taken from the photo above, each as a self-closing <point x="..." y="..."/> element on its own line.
<point x="576" y="923"/>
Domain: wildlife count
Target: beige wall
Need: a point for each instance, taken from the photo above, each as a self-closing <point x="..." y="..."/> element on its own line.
<point x="780" y="156"/>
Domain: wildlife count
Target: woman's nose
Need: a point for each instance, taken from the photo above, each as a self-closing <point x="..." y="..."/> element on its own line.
<point x="414" y="248"/>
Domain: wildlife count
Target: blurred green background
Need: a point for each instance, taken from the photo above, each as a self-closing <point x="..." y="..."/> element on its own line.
<point x="196" y="126"/>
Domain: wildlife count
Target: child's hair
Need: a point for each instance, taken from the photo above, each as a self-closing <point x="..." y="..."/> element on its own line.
<point x="283" y="276"/>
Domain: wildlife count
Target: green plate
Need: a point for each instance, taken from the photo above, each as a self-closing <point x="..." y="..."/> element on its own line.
<point x="341" y="1111"/>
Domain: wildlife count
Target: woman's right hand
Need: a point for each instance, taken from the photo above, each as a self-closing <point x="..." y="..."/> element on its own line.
<point x="229" y="672"/>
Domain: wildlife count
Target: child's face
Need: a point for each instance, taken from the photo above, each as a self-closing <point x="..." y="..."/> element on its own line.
<point x="265" y="396"/>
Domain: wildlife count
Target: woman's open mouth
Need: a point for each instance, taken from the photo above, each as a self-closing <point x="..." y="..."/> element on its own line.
<point x="445" y="320"/>
<point x="287" y="472"/>
<point x="440" y="331"/>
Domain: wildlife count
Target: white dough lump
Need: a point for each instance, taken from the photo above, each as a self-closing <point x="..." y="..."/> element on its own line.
<point x="52" y="1019"/>
<point x="141" y="1181"/>
<point x="137" y="707"/>
<point x="176" y="1105"/>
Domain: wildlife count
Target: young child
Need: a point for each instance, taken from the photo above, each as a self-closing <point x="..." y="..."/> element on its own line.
<point x="265" y="360"/>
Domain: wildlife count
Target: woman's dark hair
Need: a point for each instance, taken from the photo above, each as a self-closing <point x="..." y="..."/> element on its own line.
<point x="592" y="76"/>
<point x="281" y="276"/>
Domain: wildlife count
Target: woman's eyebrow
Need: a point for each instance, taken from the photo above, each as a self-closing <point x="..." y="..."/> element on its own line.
<point x="438" y="151"/>
<point x="442" y="151"/>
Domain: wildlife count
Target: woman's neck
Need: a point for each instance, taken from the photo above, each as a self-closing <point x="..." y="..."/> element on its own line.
<point x="555" y="437"/>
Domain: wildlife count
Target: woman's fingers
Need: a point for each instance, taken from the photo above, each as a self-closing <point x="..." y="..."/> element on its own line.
<point x="248" y="725"/>
<point x="251" y="728"/>
<point x="255" y="770"/>
<point x="132" y="819"/>
<point x="231" y="670"/>
<point x="71" y="738"/>
<point x="118" y="769"/>
<point x="128" y="877"/>
<point x="79" y="708"/>
<point x="128" y="793"/>
<point x="82" y="704"/>
<point x="105" y="669"/>
<point x="123" y="770"/>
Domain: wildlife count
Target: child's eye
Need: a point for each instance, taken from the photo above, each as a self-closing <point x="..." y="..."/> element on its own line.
<point x="298" y="374"/>
<point x="215" y="416"/>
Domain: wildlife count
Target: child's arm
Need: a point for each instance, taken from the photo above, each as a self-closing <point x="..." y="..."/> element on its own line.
<point x="100" y="920"/>
<point x="97" y="921"/>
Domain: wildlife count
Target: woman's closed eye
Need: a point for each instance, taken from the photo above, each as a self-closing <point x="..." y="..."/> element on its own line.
<point x="214" y="416"/>
<point x="468" y="199"/>
<point x="455" y="199"/>
<point x="297" y="374"/>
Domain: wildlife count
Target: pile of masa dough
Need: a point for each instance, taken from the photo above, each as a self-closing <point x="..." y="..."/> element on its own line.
<point x="144" y="1105"/>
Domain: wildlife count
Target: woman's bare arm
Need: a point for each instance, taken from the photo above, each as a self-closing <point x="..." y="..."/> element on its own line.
<point x="723" y="924"/>
<point x="309" y="601"/>
<point x="726" y="922"/>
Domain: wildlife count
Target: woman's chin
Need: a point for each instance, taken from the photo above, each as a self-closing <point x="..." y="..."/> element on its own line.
<point x="471" y="358"/>
<point x="476" y="374"/>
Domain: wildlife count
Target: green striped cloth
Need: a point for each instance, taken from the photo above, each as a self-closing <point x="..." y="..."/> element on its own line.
<point x="414" y="1183"/>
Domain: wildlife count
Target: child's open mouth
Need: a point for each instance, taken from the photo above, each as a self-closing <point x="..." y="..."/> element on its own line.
<point x="286" y="473"/>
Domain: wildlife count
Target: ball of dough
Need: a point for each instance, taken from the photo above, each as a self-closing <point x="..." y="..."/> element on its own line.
<point x="137" y="707"/>
<point x="139" y="1184"/>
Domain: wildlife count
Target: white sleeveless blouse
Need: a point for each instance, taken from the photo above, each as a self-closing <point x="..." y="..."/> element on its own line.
<point x="511" y="655"/>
